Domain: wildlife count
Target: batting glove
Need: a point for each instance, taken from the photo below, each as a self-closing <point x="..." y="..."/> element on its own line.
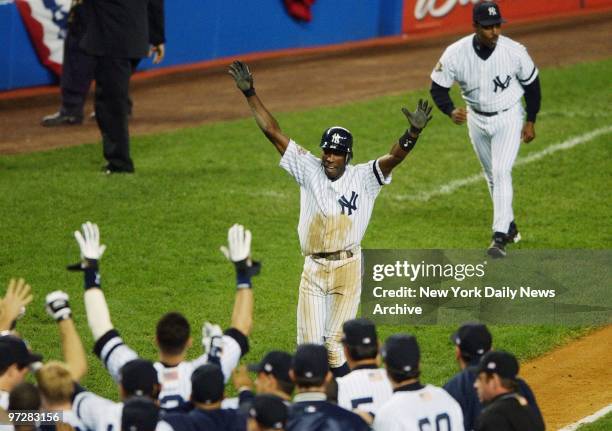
<point x="91" y="253"/>
<point x="57" y="305"/>
<point x="238" y="252"/>
<point x="212" y="342"/>
<point x="243" y="77"/>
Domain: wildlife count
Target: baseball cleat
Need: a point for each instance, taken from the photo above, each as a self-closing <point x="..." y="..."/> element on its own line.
<point x="497" y="249"/>
<point x="61" y="119"/>
<point x="513" y="235"/>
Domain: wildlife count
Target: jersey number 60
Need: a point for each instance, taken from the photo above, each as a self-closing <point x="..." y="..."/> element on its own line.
<point x="425" y="425"/>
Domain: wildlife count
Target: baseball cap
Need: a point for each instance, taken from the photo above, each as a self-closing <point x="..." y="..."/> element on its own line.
<point x="276" y="363"/>
<point x="207" y="384"/>
<point x="487" y="13"/>
<point x="359" y="332"/>
<point x="139" y="414"/>
<point x="473" y="339"/>
<point x="269" y="411"/>
<point x="310" y="362"/>
<point x="499" y="362"/>
<point x="337" y="138"/>
<point x="139" y="377"/>
<point x="401" y="353"/>
<point x="13" y="350"/>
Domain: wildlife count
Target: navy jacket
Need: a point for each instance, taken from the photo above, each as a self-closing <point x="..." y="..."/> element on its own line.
<point x="323" y="416"/>
<point x="202" y="420"/>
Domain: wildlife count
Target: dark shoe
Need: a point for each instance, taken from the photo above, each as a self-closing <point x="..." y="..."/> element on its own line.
<point x="513" y="234"/>
<point x="60" y="119"/>
<point x="497" y="249"/>
<point x="111" y="169"/>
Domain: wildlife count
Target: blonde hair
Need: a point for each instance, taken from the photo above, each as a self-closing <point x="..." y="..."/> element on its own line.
<point x="55" y="382"/>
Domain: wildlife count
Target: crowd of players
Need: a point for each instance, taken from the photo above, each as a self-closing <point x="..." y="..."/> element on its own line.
<point x="292" y="391"/>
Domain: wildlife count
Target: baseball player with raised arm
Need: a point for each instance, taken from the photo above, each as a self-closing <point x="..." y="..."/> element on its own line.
<point x="336" y="202"/>
<point x="413" y="406"/>
<point x="494" y="72"/>
<point x="173" y="331"/>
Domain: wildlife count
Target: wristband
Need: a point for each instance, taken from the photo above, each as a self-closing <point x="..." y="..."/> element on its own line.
<point x="91" y="275"/>
<point x="407" y="141"/>
<point x="250" y="92"/>
<point x="244" y="272"/>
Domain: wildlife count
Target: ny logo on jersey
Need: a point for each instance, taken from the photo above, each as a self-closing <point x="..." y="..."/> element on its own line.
<point x="499" y="84"/>
<point x="492" y="11"/>
<point x="336" y="138"/>
<point x="349" y="204"/>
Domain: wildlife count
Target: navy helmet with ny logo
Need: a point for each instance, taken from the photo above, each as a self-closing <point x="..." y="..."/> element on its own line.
<point x="348" y="205"/>
<point x="338" y="139"/>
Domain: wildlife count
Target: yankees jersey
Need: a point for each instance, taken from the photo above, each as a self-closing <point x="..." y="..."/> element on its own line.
<point x="175" y="381"/>
<point x="490" y="85"/>
<point x="100" y="414"/>
<point x="415" y="408"/>
<point x="365" y="388"/>
<point x="334" y="215"/>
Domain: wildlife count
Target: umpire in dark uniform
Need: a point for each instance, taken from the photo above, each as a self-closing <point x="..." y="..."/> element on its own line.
<point x="472" y="341"/>
<point x="504" y="408"/>
<point x="118" y="34"/>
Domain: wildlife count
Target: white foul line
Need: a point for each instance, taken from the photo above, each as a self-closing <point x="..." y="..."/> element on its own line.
<point x="450" y="187"/>
<point x="589" y="419"/>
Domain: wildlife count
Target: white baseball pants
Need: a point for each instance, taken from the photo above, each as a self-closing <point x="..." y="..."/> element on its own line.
<point x="496" y="141"/>
<point x="329" y="296"/>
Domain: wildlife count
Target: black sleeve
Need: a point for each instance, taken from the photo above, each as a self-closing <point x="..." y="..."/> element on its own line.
<point x="157" y="32"/>
<point x="533" y="99"/>
<point x="240" y="338"/>
<point x="441" y="98"/>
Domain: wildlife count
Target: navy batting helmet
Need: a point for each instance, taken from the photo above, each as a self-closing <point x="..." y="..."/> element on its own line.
<point x="338" y="139"/>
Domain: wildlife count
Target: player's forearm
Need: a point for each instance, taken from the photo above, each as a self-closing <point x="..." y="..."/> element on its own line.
<point x="267" y="123"/>
<point x="441" y="97"/>
<point x="242" y="314"/>
<point x="533" y="99"/>
<point x="72" y="349"/>
<point x="98" y="315"/>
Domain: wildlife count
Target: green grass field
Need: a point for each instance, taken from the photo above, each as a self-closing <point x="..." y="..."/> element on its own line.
<point x="603" y="424"/>
<point x="163" y="226"/>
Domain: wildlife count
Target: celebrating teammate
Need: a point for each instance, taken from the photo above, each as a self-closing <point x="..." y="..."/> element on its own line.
<point x="494" y="72"/>
<point x="173" y="331"/>
<point x="336" y="204"/>
<point x="413" y="406"/>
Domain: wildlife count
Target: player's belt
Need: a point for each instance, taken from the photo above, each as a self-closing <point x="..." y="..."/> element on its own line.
<point x="335" y="255"/>
<point x="489" y="114"/>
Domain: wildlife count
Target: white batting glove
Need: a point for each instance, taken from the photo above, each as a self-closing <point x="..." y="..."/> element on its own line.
<point x="57" y="305"/>
<point x="89" y="241"/>
<point x="239" y="242"/>
<point x="209" y="332"/>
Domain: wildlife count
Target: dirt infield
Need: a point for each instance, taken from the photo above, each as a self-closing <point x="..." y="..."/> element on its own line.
<point x="573" y="381"/>
<point x="293" y="83"/>
<point x="570" y="382"/>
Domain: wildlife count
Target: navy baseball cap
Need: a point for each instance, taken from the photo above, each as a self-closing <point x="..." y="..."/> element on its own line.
<point x="473" y="339"/>
<point x="269" y="411"/>
<point x="499" y="362"/>
<point x="359" y="332"/>
<point x="13" y="350"/>
<point x="310" y="362"/>
<point x="139" y="414"/>
<point x="487" y="13"/>
<point x="401" y="353"/>
<point x="207" y="384"/>
<point x="139" y="377"/>
<point x="277" y="363"/>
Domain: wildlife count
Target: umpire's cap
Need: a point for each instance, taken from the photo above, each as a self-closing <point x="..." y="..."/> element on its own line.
<point x="499" y="362"/>
<point x="338" y="139"/>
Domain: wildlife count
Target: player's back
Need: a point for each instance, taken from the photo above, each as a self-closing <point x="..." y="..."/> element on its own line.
<point x="366" y="389"/>
<point x="175" y="384"/>
<point x="415" y="407"/>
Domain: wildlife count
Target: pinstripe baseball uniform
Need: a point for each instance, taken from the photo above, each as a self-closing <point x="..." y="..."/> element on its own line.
<point x="365" y="388"/>
<point x="334" y="216"/>
<point x="175" y="381"/>
<point x="492" y="88"/>
<point x="417" y="408"/>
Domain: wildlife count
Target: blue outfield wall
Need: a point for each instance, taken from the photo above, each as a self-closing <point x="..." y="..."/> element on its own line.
<point x="199" y="30"/>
